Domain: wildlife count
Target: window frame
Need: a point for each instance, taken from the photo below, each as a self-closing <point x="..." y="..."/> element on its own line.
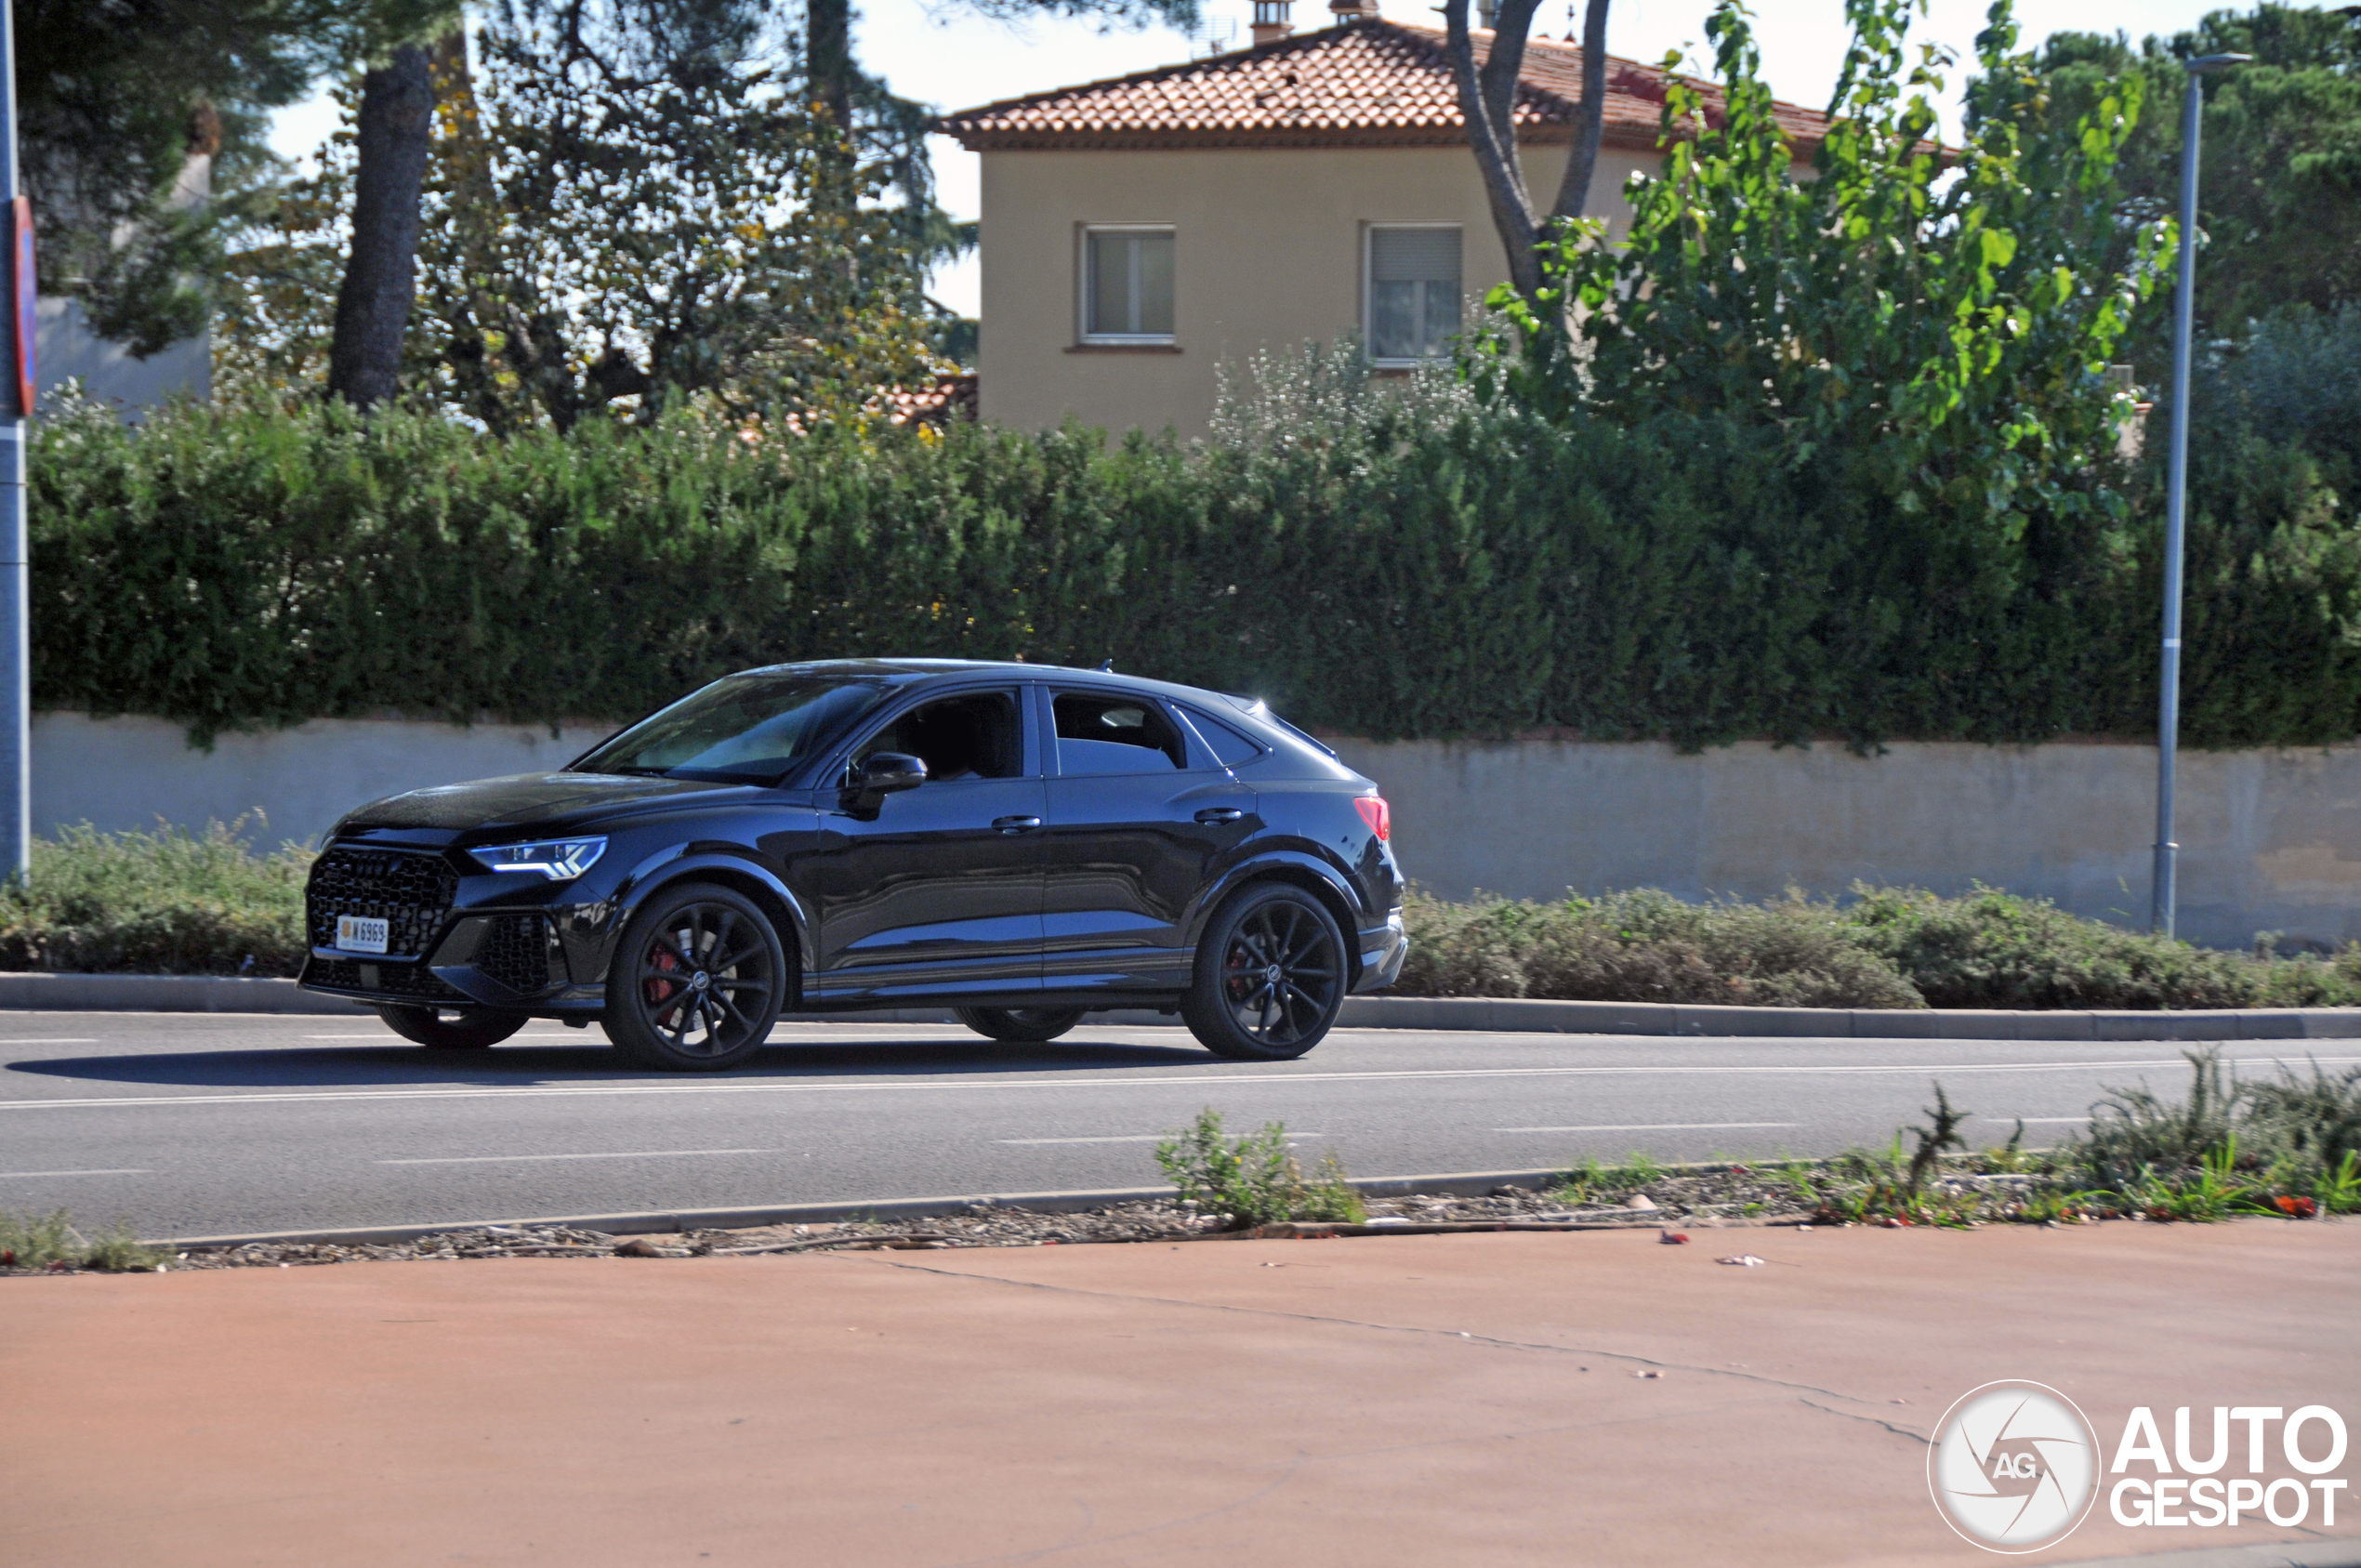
<point x="1086" y="277"/>
<point x="838" y="773"/>
<point x="1370" y="291"/>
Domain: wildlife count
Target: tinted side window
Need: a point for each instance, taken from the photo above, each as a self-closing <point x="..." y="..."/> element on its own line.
<point x="1114" y="735"/>
<point x="1228" y="745"/>
<point x="975" y="735"/>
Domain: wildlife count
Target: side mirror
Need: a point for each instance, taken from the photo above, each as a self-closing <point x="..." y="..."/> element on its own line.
<point x="881" y="773"/>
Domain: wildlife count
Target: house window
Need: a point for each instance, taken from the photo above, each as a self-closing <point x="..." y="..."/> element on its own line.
<point x="1127" y="285"/>
<point x="1413" y="292"/>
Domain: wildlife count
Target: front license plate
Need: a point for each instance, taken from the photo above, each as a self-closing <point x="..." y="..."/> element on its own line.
<point x="358" y="933"/>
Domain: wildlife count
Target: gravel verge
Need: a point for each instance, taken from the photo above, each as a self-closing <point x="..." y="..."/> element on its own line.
<point x="1734" y="1196"/>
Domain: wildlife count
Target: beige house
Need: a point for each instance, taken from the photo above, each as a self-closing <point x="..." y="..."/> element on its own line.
<point x="1142" y="232"/>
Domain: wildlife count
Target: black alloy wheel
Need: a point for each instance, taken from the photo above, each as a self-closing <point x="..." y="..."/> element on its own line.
<point x="452" y="1029"/>
<point x="697" y="981"/>
<point x="1020" y="1025"/>
<point x="1269" y="976"/>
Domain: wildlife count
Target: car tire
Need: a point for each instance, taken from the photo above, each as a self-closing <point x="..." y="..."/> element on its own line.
<point x="470" y="1029"/>
<point x="733" y="981"/>
<point x="1027" y="1027"/>
<point x="1269" y="976"/>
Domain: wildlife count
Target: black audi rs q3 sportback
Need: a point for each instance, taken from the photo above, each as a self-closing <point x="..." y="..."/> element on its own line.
<point x="1020" y="844"/>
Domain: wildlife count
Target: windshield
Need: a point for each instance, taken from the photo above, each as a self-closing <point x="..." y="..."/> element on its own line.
<point x="746" y="729"/>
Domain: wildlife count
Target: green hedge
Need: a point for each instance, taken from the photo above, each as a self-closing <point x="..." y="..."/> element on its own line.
<point x="1419" y="565"/>
<point x="1882" y="947"/>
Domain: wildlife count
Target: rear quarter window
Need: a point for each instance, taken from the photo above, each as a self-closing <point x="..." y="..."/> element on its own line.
<point x="1234" y="748"/>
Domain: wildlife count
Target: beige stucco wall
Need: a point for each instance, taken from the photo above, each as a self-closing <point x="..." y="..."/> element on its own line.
<point x="1267" y="254"/>
<point x="2271" y="840"/>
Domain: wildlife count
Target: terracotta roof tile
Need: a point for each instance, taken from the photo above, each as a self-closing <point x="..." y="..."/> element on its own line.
<point x="1367" y="83"/>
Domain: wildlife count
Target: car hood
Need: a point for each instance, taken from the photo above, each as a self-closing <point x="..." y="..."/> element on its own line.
<point x="528" y="801"/>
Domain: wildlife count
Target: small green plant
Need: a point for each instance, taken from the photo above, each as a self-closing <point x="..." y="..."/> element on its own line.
<point x="1638" y="1170"/>
<point x="40" y="1241"/>
<point x="2338" y="1192"/>
<point x="2010" y="1158"/>
<point x="35" y="1240"/>
<point x="119" y="1250"/>
<point x="2214" y="1191"/>
<point x="1255" y="1179"/>
<point x="1933" y="1140"/>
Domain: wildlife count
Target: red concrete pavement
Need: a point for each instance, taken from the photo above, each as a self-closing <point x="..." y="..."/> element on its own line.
<point x="1415" y="1401"/>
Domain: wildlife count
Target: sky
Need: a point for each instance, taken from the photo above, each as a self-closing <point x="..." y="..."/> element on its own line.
<point x="941" y="53"/>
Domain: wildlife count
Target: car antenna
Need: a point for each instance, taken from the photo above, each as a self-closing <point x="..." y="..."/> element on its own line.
<point x="1107" y="669"/>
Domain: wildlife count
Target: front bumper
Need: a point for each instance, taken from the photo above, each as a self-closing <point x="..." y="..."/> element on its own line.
<point x="499" y="959"/>
<point x="444" y="947"/>
<point x="1383" y="948"/>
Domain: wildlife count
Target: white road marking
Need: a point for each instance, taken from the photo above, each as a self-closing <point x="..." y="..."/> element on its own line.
<point x="1659" y="1126"/>
<point x="1128" y="1138"/>
<point x="62" y="1041"/>
<point x="29" y="1175"/>
<point x="1266" y="1079"/>
<point x="641" y="1155"/>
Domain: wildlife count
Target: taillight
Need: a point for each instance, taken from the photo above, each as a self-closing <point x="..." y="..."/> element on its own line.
<point x="1375" y="813"/>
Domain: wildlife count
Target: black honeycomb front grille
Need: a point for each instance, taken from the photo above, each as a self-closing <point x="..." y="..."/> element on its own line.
<point x="516" y="953"/>
<point x="411" y="891"/>
<point x="414" y="981"/>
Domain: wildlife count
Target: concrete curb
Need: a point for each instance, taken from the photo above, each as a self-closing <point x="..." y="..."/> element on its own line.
<point x="1468" y="1183"/>
<point x="216" y="994"/>
<point x="1515" y="1015"/>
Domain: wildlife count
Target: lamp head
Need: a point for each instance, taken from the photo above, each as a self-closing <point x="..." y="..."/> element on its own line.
<point x="2206" y="65"/>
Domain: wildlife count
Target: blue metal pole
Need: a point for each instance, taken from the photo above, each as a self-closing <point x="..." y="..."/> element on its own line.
<point x="2160" y="915"/>
<point x="16" y="680"/>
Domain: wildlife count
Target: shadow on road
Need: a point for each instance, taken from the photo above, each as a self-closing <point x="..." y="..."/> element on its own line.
<point x="324" y="1067"/>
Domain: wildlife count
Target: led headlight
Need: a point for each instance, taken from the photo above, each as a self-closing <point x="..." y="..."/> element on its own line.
<point x="560" y="860"/>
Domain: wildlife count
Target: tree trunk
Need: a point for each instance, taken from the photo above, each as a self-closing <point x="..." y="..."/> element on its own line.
<point x="828" y="58"/>
<point x="381" y="276"/>
<point x="1487" y="101"/>
<point x="1582" y="162"/>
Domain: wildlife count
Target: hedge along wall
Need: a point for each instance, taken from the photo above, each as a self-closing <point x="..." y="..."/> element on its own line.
<point x="1424" y="569"/>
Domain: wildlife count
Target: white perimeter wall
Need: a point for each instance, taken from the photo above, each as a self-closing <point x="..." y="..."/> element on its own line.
<point x="2270" y="840"/>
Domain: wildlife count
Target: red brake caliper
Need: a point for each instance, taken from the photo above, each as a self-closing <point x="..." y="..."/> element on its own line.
<point x="1239" y="980"/>
<point x="661" y="990"/>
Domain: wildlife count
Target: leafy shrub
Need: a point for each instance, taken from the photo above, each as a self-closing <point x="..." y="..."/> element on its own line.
<point x="1885" y="947"/>
<point x="1254" y="1178"/>
<point x="1645" y="946"/>
<point x="36" y="1241"/>
<point x="1991" y="949"/>
<point x="1420" y="562"/>
<point x="169" y="902"/>
<point x="2228" y="1146"/>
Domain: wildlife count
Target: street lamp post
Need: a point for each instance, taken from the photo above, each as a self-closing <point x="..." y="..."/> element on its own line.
<point x="16" y="680"/>
<point x="2177" y="495"/>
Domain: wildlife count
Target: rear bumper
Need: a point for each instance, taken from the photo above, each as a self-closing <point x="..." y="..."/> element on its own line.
<point x="1382" y="950"/>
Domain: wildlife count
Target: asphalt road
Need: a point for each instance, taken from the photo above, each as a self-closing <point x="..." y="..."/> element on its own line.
<point x="194" y="1125"/>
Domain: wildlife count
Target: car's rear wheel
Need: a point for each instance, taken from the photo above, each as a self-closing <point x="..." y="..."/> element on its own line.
<point x="1020" y="1025"/>
<point x="452" y="1029"/>
<point x="1269" y="976"/>
<point x="697" y="981"/>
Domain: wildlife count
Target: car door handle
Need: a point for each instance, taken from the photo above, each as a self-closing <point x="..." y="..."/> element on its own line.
<point x="1016" y="824"/>
<point x="1220" y="814"/>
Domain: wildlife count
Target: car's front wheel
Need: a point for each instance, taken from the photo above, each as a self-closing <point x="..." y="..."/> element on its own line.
<point x="1269" y="976"/>
<point x="452" y="1029"/>
<point x="696" y="981"/>
<point x="1020" y="1025"/>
